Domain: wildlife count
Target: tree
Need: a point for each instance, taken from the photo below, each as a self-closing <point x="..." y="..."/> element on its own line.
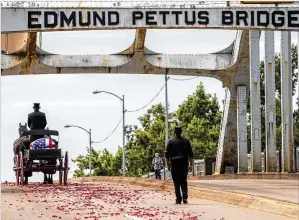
<point x="201" y="118"/>
<point x="201" y="105"/>
<point x="203" y="137"/>
<point x="144" y="142"/>
<point x="102" y="162"/>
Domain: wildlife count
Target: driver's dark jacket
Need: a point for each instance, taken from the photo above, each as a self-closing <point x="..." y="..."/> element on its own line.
<point x="37" y="120"/>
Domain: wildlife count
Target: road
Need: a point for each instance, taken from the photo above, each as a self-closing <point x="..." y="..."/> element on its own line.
<point x="112" y="201"/>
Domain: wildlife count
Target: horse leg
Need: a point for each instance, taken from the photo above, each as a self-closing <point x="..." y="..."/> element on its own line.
<point x="45" y="178"/>
<point x="48" y="178"/>
<point x="51" y="178"/>
<point x="15" y="160"/>
<point x="26" y="179"/>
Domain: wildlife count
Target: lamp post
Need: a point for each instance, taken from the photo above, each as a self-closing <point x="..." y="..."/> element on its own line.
<point x="124" y="134"/>
<point x="166" y="120"/>
<point x="90" y="142"/>
<point x="298" y="67"/>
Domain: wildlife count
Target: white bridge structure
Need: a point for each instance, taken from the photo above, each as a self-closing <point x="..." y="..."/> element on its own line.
<point x="236" y="66"/>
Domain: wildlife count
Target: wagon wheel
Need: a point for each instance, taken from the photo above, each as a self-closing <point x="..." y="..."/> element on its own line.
<point x="66" y="168"/>
<point x="60" y="171"/>
<point x="21" y="163"/>
<point x="17" y="170"/>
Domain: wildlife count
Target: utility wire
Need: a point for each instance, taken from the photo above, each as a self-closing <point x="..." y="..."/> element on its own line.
<point x="149" y="102"/>
<point x="160" y="92"/>
<point x="98" y="142"/>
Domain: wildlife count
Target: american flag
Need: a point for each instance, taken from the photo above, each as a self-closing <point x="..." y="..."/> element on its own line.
<point x="42" y="143"/>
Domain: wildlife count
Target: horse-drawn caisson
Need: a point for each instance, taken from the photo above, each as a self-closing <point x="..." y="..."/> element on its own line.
<point x="40" y="155"/>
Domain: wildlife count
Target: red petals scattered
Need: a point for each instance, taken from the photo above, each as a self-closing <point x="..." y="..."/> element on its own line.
<point x="97" y="201"/>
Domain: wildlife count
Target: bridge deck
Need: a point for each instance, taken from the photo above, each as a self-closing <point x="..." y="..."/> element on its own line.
<point x="277" y="189"/>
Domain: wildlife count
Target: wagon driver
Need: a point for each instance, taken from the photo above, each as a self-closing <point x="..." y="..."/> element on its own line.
<point x="36" y="121"/>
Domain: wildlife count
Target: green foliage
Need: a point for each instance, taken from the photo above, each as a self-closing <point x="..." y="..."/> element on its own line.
<point x="103" y="163"/>
<point x="200" y="105"/>
<point x="203" y="137"/>
<point x="200" y="118"/>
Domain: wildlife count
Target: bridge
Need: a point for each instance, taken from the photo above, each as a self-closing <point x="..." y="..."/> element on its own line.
<point x="236" y="66"/>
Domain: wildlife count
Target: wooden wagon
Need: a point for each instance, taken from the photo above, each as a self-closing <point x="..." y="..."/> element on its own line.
<point x="48" y="161"/>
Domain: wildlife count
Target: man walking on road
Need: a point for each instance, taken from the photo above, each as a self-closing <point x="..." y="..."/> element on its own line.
<point x="178" y="153"/>
<point x="158" y="163"/>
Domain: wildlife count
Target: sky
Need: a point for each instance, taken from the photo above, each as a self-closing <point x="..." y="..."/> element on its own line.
<point x="68" y="99"/>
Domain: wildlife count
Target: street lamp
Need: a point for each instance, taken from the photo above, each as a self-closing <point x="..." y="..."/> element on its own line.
<point x="89" y="132"/>
<point x="166" y="120"/>
<point x="124" y="134"/>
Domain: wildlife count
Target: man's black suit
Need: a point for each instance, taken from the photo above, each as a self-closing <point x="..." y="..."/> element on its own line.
<point x="37" y="121"/>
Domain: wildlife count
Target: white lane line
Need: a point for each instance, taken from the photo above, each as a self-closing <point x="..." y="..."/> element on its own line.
<point x="133" y="217"/>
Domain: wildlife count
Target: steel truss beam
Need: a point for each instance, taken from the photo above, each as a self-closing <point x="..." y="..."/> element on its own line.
<point x="242" y="129"/>
<point x="255" y="100"/>
<point x="270" y="111"/>
<point x="136" y="59"/>
<point x="286" y="102"/>
<point x="220" y="150"/>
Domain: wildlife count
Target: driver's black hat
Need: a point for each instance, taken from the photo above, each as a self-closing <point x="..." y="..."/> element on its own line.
<point x="36" y="105"/>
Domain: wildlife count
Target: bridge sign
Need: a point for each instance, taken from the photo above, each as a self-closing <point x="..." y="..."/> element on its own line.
<point x="96" y="18"/>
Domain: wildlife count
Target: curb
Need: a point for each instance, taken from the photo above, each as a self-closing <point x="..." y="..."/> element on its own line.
<point x="262" y="176"/>
<point x="274" y="206"/>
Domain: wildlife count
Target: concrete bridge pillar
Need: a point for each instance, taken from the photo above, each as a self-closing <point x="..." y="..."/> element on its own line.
<point x="227" y="146"/>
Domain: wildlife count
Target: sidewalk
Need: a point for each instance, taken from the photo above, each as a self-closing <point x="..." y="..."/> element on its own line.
<point x="287" y="190"/>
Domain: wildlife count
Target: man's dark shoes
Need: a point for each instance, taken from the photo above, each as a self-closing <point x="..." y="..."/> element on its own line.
<point x="185" y="201"/>
<point x="178" y="202"/>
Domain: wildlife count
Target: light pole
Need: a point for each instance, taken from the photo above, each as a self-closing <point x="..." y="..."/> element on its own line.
<point x="166" y="121"/>
<point x="90" y="142"/>
<point x="298" y="67"/>
<point x="124" y="131"/>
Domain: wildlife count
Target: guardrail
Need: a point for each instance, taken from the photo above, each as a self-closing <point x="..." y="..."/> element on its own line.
<point x="206" y="167"/>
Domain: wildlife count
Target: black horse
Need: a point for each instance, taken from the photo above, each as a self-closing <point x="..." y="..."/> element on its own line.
<point x="19" y="145"/>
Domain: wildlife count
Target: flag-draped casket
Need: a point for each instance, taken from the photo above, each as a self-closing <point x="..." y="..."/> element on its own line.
<point x="42" y="143"/>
